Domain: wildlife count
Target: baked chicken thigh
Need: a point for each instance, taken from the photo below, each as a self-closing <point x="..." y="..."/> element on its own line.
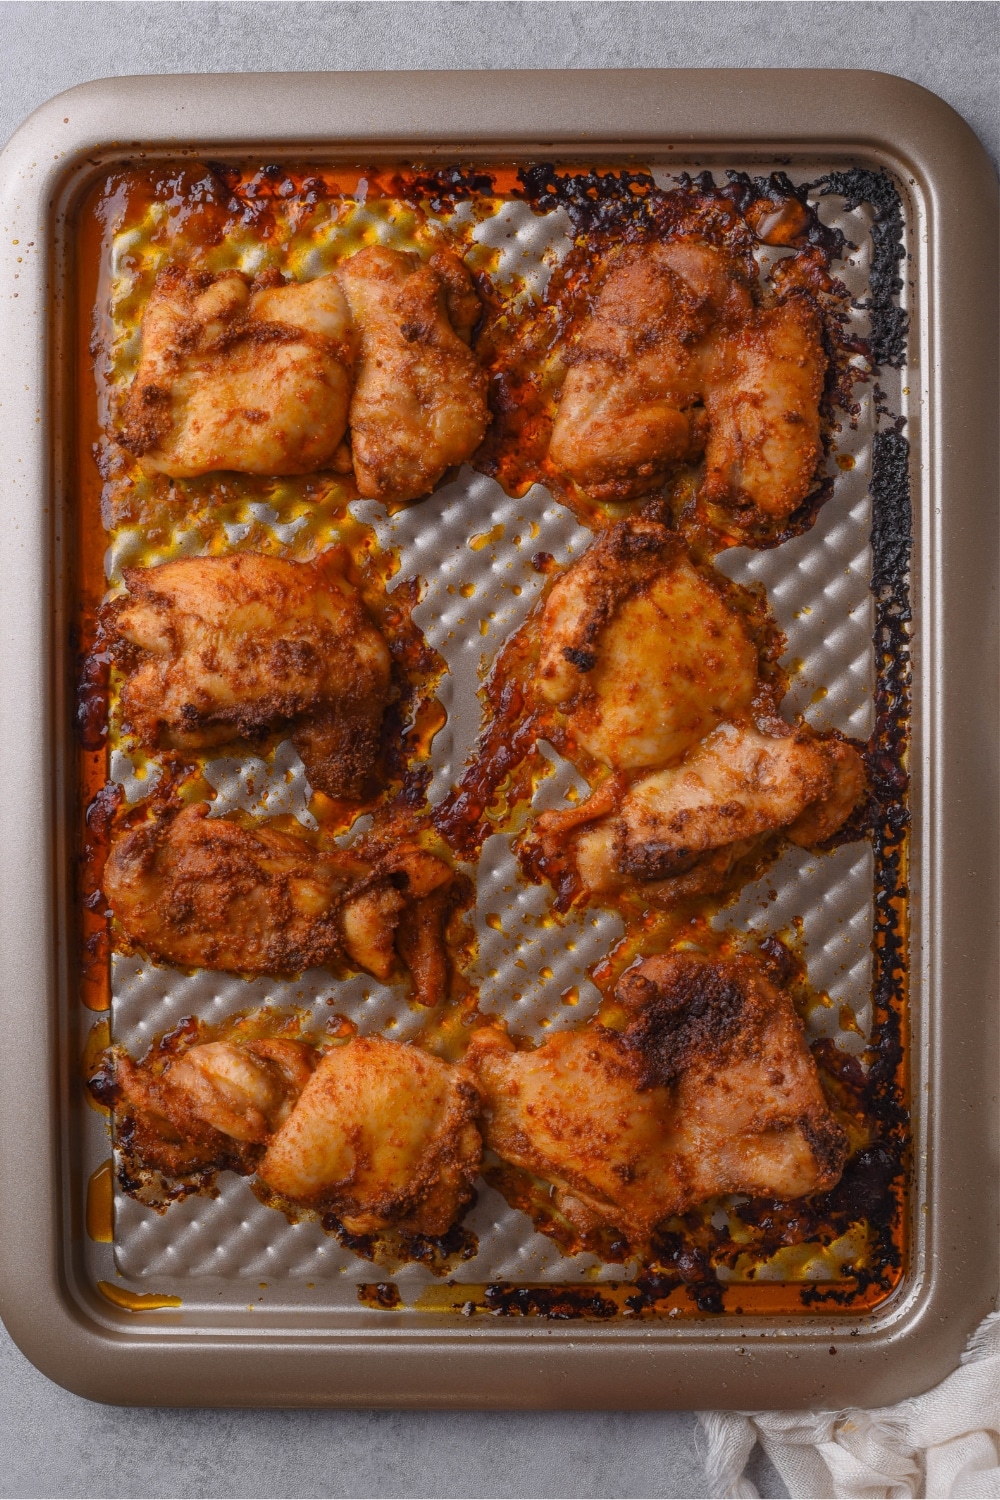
<point x="675" y="359"/>
<point x="642" y="652"/>
<point x="419" y="406"/>
<point x="679" y="832"/>
<point x="709" y="1089"/>
<point x="762" y="408"/>
<point x="230" y="377"/>
<point x="220" y="647"/>
<point x="631" y="402"/>
<point x="380" y="1134"/>
<point x="213" y="893"/>
<point x="383" y="1135"/>
<point x="216" y="1105"/>
<point x="654" y="672"/>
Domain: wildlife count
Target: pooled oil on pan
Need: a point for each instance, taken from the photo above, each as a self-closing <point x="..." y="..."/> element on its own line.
<point x="453" y="582"/>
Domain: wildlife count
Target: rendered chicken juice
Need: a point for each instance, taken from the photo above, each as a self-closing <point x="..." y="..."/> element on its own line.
<point x="459" y="583"/>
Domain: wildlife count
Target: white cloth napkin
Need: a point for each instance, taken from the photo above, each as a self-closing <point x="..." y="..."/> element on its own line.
<point x="943" y="1444"/>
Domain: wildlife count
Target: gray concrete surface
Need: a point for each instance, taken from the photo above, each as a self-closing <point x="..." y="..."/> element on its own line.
<point x="52" y="1443"/>
<point x="950" y="48"/>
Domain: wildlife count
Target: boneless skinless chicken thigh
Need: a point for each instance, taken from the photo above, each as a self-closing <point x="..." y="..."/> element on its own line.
<point x="267" y="379"/>
<point x="679" y="832"/>
<point x="216" y="1105"/>
<point x="654" y="672"/>
<point x="381" y="1134"/>
<point x="419" y="405"/>
<point x="709" y="1089"/>
<point x="642" y="652"/>
<point x="219" y="647"/>
<point x="676" y="360"/>
<point x="257" y="381"/>
<point x="214" y="893"/>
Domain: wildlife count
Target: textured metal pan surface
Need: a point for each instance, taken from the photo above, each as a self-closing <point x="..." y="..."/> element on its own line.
<point x="471" y="546"/>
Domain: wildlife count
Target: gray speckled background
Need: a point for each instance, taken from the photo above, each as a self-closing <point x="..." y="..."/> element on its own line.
<point x="55" y="1444"/>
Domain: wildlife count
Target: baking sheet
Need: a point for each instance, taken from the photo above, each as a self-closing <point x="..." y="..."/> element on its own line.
<point x="211" y="1350"/>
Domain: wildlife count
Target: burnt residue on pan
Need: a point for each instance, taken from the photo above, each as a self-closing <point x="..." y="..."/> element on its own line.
<point x="383" y="1295"/>
<point x="440" y="1254"/>
<point x="889" y="322"/>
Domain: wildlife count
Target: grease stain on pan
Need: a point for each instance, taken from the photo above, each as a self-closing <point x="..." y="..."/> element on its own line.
<point x="137" y="1301"/>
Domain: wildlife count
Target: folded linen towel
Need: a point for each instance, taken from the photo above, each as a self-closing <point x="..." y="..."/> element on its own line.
<point x="943" y="1444"/>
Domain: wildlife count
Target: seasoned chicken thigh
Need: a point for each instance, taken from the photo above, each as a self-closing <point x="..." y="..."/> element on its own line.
<point x="737" y="783"/>
<point x="762" y="405"/>
<point x="246" y="1092"/>
<point x="220" y="647"/>
<point x="679" y="832"/>
<point x="709" y="1089"/>
<point x="630" y="409"/>
<point x="641" y="651"/>
<point x="676" y="358"/>
<point x="571" y="1112"/>
<point x="215" y="894"/>
<point x="232" y="378"/>
<point x="217" y="1104"/>
<point x="380" y="1134"/>
<point x="383" y="1136"/>
<point x="419" y="406"/>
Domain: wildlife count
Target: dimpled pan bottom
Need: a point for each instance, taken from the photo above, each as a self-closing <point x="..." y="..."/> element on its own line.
<point x="228" y="1251"/>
